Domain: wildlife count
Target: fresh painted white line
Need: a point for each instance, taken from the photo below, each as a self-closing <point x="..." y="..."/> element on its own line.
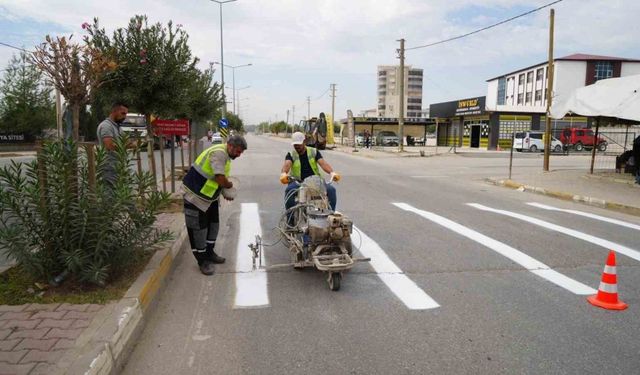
<point x="251" y="285"/>
<point x="517" y="256"/>
<point x="404" y="288"/>
<point x="609" y="245"/>
<point x="432" y="176"/>
<point x="586" y="214"/>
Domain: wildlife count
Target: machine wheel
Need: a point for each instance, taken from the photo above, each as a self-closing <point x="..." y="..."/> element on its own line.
<point x="533" y="148"/>
<point x="334" y="281"/>
<point x="579" y="146"/>
<point x="602" y="146"/>
<point x="558" y="148"/>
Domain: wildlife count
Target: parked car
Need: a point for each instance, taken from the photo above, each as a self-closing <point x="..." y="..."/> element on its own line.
<point x="580" y="138"/>
<point x="387" y="138"/>
<point x="216" y="138"/>
<point x="534" y="142"/>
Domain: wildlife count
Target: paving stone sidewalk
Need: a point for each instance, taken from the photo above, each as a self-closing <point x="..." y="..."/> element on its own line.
<point x="35" y="336"/>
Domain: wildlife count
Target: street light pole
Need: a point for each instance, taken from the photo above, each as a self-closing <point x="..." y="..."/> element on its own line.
<point x="224" y="107"/>
<point x="233" y="74"/>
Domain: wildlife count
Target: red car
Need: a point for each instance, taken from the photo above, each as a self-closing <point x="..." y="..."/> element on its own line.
<point x="580" y="138"/>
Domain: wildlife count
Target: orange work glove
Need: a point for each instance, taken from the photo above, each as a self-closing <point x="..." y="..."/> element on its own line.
<point x="284" y="178"/>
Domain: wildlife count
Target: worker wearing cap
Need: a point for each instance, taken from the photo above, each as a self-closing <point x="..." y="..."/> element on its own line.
<point x="207" y="179"/>
<point x="302" y="162"/>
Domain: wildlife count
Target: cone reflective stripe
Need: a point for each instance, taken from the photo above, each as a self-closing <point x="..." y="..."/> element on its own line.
<point x="607" y="296"/>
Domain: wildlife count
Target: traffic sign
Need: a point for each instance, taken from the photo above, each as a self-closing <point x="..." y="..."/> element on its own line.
<point x="224" y="123"/>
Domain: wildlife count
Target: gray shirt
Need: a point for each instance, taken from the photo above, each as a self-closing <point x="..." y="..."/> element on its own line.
<point x="217" y="160"/>
<point x="108" y="128"/>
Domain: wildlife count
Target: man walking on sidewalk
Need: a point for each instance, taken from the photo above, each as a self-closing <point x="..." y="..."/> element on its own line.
<point x="202" y="186"/>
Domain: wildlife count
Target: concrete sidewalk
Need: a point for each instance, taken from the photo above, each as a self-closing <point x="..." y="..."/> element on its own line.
<point x="602" y="189"/>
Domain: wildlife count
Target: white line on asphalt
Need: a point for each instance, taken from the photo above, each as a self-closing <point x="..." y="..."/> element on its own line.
<point x="433" y="176"/>
<point x="631" y="253"/>
<point x="586" y="214"/>
<point x="404" y="288"/>
<point x="251" y="285"/>
<point x="515" y="255"/>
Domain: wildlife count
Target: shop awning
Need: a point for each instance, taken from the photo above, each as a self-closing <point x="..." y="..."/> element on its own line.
<point x="613" y="97"/>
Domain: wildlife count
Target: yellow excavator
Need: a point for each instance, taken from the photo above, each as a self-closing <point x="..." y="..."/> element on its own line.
<point x="315" y="131"/>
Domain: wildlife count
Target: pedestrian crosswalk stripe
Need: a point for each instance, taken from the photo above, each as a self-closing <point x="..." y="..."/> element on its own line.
<point x="404" y="288"/>
<point x="515" y="255"/>
<point x="251" y="285"/>
<point x="586" y="214"/>
<point x="631" y="253"/>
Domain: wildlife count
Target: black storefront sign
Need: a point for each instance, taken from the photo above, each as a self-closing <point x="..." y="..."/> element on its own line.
<point x="463" y="107"/>
<point x="15" y="138"/>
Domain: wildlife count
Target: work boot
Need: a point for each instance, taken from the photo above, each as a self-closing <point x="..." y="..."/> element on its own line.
<point x="217" y="259"/>
<point x="207" y="268"/>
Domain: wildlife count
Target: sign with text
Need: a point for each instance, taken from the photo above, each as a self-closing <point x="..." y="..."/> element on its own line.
<point x="15" y="138"/>
<point x="171" y="127"/>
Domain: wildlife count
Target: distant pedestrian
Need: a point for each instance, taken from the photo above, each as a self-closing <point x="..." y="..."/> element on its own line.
<point x="636" y="158"/>
<point x="108" y="131"/>
<point x="367" y="139"/>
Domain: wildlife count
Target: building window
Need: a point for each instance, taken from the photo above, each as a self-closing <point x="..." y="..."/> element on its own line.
<point x="520" y="97"/>
<point x="528" y="98"/>
<point x="382" y="73"/>
<point x="604" y="70"/>
<point x="502" y="88"/>
<point x="414" y="100"/>
<point x="521" y="79"/>
<point x="529" y="77"/>
<point x="539" y="74"/>
<point x="538" y="95"/>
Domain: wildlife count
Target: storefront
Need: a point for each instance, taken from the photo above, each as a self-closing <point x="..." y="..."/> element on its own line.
<point x="462" y="123"/>
<point x="414" y="127"/>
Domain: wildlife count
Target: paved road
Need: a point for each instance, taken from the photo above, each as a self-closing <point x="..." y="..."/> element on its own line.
<point x="454" y="288"/>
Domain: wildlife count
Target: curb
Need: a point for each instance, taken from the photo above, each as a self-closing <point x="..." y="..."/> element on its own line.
<point x="591" y="201"/>
<point x="104" y="347"/>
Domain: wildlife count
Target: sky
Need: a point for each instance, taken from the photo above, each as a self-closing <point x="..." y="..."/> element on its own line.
<point x="297" y="48"/>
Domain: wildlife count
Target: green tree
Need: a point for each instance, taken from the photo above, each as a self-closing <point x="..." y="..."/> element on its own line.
<point x="278" y="127"/>
<point x="235" y="122"/>
<point x="154" y="69"/>
<point x="203" y="98"/>
<point x="26" y="105"/>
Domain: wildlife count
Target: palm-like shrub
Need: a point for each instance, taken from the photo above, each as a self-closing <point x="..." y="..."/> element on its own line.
<point x="54" y="220"/>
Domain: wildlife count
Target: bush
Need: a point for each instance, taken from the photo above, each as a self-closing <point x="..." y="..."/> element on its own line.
<point x="70" y="228"/>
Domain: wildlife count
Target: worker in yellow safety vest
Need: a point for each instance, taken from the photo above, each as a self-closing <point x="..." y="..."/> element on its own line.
<point x="207" y="179"/>
<point x="302" y="162"/>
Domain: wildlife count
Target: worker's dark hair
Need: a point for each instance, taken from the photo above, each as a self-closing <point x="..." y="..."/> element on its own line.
<point x="119" y="103"/>
<point x="237" y="140"/>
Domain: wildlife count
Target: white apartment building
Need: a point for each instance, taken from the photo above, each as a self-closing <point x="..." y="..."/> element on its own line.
<point x="524" y="90"/>
<point x="389" y="91"/>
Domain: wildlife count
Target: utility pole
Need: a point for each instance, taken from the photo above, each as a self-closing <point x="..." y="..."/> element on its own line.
<point x="287" y="129"/>
<point x="308" y="107"/>
<point x="293" y="116"/>
<point x="333" y="106"/>
<point x="401" y="106"/>
<point x="547" y="130"/>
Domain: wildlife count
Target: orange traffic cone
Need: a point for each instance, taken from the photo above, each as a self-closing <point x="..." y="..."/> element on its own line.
<point x="607" y="296"/>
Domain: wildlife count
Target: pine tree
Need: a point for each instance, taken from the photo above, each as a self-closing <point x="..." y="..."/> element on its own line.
<point x="26" y="103"/>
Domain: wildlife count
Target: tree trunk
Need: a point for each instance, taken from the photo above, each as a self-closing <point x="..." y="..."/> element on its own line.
<point x="75" y="108"/>
<point x="152" y="159"/>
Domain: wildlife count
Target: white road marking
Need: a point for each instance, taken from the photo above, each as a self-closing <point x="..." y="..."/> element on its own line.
<point x="609" y="245"/>
<point x="586" y="214"/>
<point x="404" y="288"/>
<point x="251" y="285"/>
<point x="515" y="255"/>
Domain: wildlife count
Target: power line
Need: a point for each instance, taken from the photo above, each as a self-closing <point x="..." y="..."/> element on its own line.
<point x="14" y="47"/>
<point x="485" y="28"/>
